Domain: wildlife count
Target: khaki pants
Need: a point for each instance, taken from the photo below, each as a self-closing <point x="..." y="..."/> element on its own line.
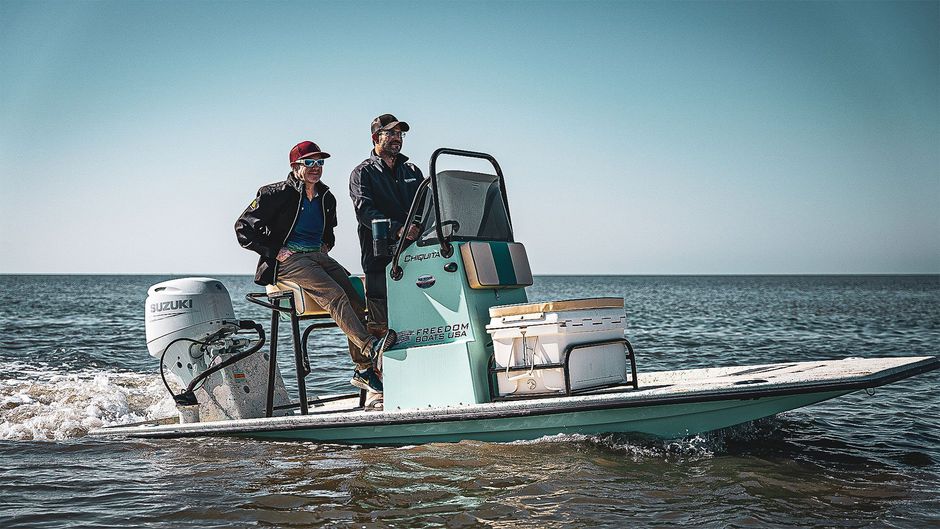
<point x="327" y="282"/>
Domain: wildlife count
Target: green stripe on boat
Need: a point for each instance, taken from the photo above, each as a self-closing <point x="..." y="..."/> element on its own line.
<point x="503" y="260"/>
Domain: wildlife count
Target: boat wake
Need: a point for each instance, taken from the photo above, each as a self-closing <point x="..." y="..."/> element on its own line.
<point x="38" y="402"/>
<point x="689" y="448"/>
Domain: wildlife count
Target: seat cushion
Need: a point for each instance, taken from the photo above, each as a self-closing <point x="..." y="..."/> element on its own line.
<point x="556" y="306"/>
<point x="304" y="303"/>
<point x="496" y="264"/>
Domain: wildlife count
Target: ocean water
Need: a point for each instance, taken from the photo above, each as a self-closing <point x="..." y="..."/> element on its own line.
<point x="73" y="357"/>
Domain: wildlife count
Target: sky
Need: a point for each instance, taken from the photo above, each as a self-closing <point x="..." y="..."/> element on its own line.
<point x="636" y="138"/>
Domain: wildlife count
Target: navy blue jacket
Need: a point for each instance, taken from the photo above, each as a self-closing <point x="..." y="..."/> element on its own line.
<point x="378" y="192"/>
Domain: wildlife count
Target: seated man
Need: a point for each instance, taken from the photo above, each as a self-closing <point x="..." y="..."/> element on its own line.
<point x="290" y="224"/>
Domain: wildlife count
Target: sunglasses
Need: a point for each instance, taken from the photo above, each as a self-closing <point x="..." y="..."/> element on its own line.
<point x="308" y="162"/>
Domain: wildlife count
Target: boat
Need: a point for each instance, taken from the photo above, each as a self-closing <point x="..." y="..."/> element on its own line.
<point x="474" y="358"/>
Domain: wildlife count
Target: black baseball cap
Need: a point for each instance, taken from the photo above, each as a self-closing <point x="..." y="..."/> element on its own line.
<point x="388" y="122"/>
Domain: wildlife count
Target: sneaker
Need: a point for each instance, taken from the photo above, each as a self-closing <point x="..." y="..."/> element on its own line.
<point x="375" y="401"/>
<point x="379" y="345"/>
<point x="367" y="380"/>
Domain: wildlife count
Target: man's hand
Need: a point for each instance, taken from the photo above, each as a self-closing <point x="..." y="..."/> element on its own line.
<point x="414" y="231"/>
<point x="325" y="248"/>
<point x="283" y="254"/>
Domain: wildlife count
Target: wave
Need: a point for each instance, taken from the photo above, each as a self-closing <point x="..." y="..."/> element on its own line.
<point x="638" y="448"/>
<point x="689" y="448"/>
<point x="40" y="403"/>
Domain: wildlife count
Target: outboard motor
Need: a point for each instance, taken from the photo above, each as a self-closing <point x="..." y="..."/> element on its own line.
<point x="192" y="330"/>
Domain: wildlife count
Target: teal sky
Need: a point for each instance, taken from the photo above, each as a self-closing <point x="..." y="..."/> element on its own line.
<point x="636" y="138"/>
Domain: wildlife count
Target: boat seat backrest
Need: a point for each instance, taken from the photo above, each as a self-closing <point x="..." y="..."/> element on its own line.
<point x="496" y="264"/>
<point x="304" y="303"/>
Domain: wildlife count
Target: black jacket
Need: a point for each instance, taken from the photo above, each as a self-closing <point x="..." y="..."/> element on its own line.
<point x="269" y="220"/>
<point x="379" y="193"/>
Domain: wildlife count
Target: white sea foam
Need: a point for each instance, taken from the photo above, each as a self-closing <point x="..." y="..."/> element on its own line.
<point x="40" y="404"/>
<point x="556" y="438"/>
<point x="691" y="447"/>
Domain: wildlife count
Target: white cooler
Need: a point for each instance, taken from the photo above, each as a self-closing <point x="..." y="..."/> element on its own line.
<point x="535" y="334"/>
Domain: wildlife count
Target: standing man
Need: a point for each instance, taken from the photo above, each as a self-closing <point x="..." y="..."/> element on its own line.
<point x="383" y="187"/>
<point x="290" y="224"/>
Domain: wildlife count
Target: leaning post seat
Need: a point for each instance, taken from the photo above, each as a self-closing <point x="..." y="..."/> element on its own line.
<point x="289" y="301"/>
<point x="496" y="265"/>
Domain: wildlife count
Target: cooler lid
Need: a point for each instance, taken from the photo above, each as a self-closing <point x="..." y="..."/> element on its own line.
<point x="556" y="306"/>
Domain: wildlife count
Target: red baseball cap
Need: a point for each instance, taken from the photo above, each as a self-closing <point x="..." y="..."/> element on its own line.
<point x="307" y="149"/>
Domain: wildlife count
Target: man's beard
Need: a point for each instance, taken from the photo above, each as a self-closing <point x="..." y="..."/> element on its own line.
<point x="392" y="148"/>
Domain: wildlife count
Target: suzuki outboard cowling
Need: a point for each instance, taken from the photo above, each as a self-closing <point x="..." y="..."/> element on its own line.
<point x="181" y="312"/>
<point x="191" y="328"/>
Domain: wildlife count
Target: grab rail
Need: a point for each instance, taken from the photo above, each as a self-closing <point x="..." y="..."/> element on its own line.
<point x="564" y="365"/>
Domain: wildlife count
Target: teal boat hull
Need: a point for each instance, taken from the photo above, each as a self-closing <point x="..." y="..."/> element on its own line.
<point x="671" y="421"/>
<point x="668" y="404"/>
